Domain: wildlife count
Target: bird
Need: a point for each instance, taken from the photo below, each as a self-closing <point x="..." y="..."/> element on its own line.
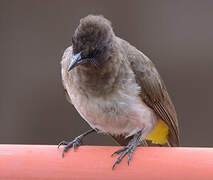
<point x="117" y="90"/>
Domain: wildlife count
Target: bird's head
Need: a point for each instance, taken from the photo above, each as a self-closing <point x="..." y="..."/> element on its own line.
<point x="91" y="42"/>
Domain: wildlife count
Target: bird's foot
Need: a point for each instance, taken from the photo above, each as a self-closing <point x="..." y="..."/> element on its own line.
<point x="72" y="144"/>
<point x="127" y="149"/>
<point x="75" y="143"/>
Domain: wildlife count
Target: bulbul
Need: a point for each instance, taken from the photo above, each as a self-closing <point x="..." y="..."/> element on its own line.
<point x="116" y="89"/>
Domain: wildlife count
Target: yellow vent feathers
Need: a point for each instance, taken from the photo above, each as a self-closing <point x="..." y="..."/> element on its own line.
<point x="159" y="134"/>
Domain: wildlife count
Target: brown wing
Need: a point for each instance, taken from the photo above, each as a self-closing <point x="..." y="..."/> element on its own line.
<point x="155" y="95"/>
<point x="153" y="90"/>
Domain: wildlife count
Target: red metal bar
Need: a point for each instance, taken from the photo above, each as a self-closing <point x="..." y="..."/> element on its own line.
<point x="44" y="162"/>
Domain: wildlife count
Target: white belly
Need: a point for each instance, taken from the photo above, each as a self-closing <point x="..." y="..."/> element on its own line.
<point x="117" y="115"/>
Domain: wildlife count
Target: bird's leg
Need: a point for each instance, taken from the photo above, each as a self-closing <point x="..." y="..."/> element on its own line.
<point x="133" y="143"/>
<point x="75" y="143"/>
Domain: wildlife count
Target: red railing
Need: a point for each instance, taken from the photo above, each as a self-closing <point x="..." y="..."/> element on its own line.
<point x="44" y="162"/>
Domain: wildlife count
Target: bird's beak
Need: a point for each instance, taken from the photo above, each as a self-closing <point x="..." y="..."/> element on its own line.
<point x="76" y="60"/>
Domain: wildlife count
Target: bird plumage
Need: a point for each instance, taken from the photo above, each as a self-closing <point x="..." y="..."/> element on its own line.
<point x="153" y="90"/>
<point x="118" y="90"/>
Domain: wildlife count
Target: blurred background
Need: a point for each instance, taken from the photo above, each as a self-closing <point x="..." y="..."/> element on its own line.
<point x="176" y="35"/>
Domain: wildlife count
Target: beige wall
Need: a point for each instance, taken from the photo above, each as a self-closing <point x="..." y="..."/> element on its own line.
<point x="176" y="35"/>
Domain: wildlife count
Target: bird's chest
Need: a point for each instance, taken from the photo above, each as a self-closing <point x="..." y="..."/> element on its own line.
<point x="115" y="114"/>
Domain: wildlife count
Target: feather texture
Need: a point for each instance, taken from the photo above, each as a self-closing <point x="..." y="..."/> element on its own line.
<point x="153" y="90"/>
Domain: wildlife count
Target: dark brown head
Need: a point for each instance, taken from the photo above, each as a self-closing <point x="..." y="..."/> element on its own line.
<point x="92" y="41"/>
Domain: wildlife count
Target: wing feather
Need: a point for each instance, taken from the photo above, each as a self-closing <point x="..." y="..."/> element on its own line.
<point x="153" y="90"/>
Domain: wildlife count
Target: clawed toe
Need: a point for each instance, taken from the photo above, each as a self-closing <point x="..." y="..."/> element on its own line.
<point x="119" y="151"/>
<point x="127" y="149"/>
<point x="73" y="144"/>
<point x="62" y="143"/>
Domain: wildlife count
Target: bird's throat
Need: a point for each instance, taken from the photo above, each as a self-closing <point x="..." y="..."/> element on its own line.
<point x="96" y="81"/>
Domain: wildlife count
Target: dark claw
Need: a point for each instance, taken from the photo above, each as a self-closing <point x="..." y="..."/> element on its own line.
<point x="119" y="151"/>
<point x="130" y="153"/>
<point x="116" y="162"/>
<point x="130" y="148"/>
<point x="62" y="143"/>
<point x="120" y="158"/>
<point x="74" y="144"/>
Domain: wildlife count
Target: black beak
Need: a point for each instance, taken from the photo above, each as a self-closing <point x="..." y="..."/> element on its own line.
<point x="76" y="60"/>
